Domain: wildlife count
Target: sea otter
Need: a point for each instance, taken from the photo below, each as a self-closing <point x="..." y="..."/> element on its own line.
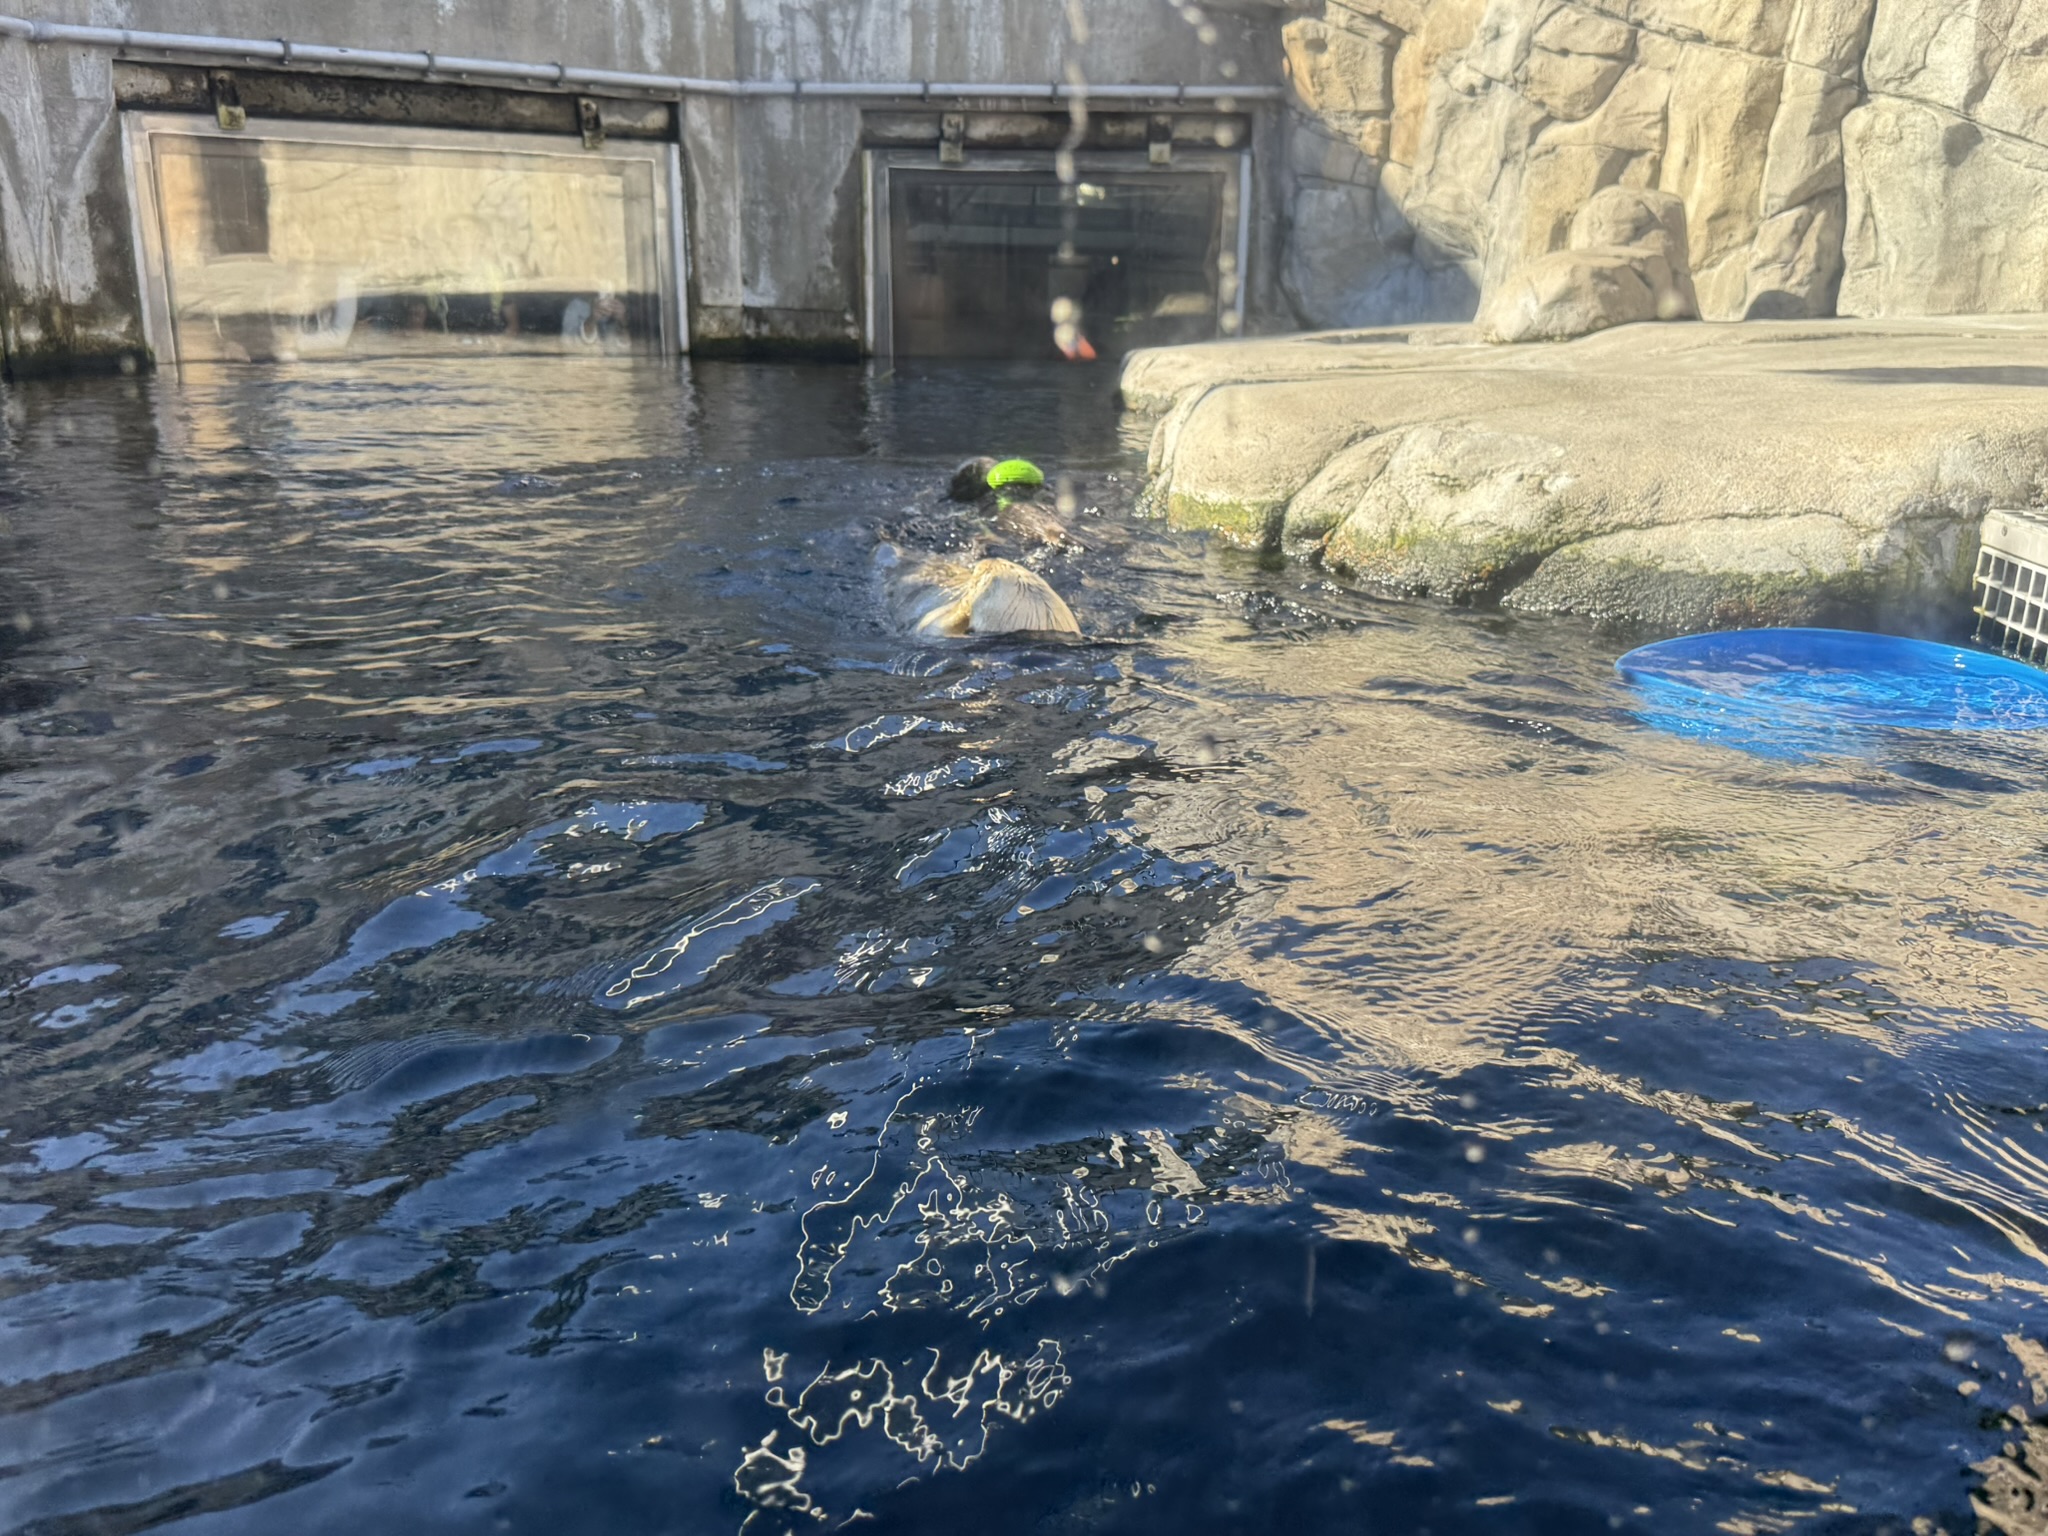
<point x="941" y="596"/>
<point x="970" y="589"/>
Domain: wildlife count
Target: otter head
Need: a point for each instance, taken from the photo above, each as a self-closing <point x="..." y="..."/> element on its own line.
<point x="1005" y="478"/>
<point x="970" y="480"/>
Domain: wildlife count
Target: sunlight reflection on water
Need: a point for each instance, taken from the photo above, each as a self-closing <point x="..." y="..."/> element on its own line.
<point x="526" y="1003"/>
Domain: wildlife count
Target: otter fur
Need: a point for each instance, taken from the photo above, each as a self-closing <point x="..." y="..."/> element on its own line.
<point x="1029" y="523"/>
<point x="938" y="596"/>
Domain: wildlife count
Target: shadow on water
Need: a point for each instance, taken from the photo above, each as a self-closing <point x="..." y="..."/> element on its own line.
<point x="525" y="1005"/>
<point x="2016" y="376"/>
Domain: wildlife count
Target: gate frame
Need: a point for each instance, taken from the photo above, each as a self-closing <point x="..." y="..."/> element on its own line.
<point x="159" y="332"/>
<point x="878" y="318"/>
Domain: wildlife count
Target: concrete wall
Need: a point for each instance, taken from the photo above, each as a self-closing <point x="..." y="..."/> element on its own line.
<point x="773" y="184"/>
<point x="67" y="272"/>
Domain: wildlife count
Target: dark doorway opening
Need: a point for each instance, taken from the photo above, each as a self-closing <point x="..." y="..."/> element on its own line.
<point x="1016" y="264"/>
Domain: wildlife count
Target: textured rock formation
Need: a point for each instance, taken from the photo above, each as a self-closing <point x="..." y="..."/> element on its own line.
<point x="1867" y="157"/>
<point x="1625" y="261"/>
<point x="1684" y="475"/>
<point x="1353" y="257"/>
<point x="1948" y="161"/>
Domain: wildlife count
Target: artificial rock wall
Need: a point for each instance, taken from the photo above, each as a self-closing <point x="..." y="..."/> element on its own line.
<point x="1855" y="157"/>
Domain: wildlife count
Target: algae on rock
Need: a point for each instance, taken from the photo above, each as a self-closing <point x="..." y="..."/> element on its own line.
<point x="1685" y="475"/>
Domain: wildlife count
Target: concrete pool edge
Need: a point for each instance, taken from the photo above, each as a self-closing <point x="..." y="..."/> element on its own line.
<point x="1688" y="476"/>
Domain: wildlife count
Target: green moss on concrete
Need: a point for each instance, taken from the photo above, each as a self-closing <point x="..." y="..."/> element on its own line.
<point x="1306" y="530"/>
<point x="1644" y="593"/>
<point x="48" y="338"/>
<point x="56" y="362"/>
<point x="1248" y="525"/>
<point x="1463" y="570"/>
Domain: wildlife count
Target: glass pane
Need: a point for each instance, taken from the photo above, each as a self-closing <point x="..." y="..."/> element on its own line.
<point x="980" y="260"/>
<point x="280" y="248"/>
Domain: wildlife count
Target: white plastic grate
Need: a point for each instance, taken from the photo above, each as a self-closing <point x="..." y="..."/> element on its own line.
<point x="2012" y="585"/>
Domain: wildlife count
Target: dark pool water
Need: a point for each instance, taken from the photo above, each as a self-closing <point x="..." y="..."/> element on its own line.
<point x="523" y="1007"/>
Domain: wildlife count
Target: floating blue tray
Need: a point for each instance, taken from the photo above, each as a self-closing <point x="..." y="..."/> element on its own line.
<point x="1806" y="687"/>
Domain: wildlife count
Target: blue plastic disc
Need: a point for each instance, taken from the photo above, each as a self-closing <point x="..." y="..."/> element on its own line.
<point x="1749" y="683"/>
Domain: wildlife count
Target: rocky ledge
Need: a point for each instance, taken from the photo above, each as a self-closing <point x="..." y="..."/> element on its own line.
<point x="1687" y="476"/>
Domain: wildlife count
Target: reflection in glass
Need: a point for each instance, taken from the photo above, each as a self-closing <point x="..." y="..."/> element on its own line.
<point x="983" y="261"/>
<point x="280" y="248"/>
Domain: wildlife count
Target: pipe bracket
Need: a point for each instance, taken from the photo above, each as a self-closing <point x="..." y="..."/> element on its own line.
<point x="228" y="110"/>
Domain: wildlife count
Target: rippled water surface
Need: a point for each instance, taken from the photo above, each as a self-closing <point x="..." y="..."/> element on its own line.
<point x="526" y="1008"/>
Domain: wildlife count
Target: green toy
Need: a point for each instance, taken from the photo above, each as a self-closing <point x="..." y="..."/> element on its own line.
<point x="1015" y="472"/>
<point x="1008" y="479"/>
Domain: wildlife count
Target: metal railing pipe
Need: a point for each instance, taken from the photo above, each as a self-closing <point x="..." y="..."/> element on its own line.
<point x="629" y="80"/>
<point x="1045" y="92"/>
<point x="155" y="42"/>
<point x="326" y="55"/>
<point x="1118" y="92"/>
<point x="862" y="88"/>
<point x="365" y="58"/>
